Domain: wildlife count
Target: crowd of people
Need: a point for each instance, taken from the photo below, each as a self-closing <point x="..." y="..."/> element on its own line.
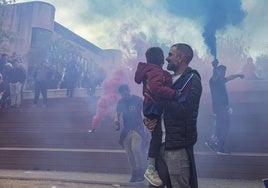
<point x="41" y="77"/>
<point x="12" y="80"/>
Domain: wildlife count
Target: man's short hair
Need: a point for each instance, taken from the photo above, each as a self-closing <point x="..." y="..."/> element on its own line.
<point x="123" y="87"/>
<point x="186" y="50"/>
<point x="155" y="55"/>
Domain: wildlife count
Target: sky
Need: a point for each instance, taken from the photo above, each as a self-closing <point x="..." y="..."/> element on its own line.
<point x="126" y="25"/>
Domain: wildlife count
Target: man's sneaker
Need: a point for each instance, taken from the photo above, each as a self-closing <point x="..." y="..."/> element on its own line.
<point x="133" y="178"/>
<point x="137" y="176"/>
<point x="140" y="175"/>
<point x="213" y="147"/>
<point x="152" y="177"/>
<point x="139" y="179"/>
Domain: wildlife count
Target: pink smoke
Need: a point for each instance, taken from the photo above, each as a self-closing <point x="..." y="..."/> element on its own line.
<point x="129" y="42"/>
<point x="107" y="102"/>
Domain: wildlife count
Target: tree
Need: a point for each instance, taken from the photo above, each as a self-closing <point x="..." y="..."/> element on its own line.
<point x="6" y="36"/>
<point x="54" y="51"/>
<point x="60" y="52"/>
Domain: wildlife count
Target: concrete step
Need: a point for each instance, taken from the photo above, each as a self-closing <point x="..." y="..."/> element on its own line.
<point x="56" y="138"/>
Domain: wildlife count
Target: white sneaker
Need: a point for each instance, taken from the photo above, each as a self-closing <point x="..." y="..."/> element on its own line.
<point x="91" y="130"/>
<point x="152" y="177"/>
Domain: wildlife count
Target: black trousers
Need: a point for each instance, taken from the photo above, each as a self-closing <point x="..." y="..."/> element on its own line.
<point x="40" y="87"/>
<point x="156" y="139"/>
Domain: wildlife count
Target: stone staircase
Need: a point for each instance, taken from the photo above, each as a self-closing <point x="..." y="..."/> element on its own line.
<point x="57" y="138"/>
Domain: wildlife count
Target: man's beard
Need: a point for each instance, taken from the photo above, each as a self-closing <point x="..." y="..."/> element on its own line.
<point x="172" y="67"/>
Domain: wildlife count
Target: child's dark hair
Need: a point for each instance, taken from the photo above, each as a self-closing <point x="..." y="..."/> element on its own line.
<point x="155" y="55"/>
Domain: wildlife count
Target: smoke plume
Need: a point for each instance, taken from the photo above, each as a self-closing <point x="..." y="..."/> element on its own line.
<point x="215" y="15"/>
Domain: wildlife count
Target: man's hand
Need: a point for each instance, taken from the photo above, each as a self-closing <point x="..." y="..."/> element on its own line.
<point x="150" y="124"/>
<point x="215" y="63"/>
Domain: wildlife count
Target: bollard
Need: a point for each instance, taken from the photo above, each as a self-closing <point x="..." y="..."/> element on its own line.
<point x="265" y="181"/>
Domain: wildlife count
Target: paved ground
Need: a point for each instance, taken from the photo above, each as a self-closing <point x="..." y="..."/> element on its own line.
<point x="49" y="179"/>
<point x="7" y="183"/>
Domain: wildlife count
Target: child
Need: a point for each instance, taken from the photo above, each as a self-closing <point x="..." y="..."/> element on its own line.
<point x="156" y="87"/>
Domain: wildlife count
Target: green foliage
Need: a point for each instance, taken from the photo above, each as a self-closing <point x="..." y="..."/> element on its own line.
<point x="40" y="44"/>
<point x="6" y="35"/>
<point x="54" y="51"/>
<point x="60" y="52"/>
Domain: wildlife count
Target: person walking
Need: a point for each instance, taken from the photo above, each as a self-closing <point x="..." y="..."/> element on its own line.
<point x="129" y="109"/>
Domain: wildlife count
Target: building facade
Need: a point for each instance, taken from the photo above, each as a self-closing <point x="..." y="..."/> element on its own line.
<point x="37" y="37"/>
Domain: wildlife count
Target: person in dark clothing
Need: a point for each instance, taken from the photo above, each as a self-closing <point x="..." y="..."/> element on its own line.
<point x="221" y="107"/>
<point x="129" y="109"/>
<point x="71" y="77"/>
<point x="41" y="78"/>
<point x="18" y="77"/>
<point x="7" y="77"/>
<point x="156" y="86"/>
<point x="176" y="162"/>
<point x="89" y="82"/>
<point x="54" y="78"/>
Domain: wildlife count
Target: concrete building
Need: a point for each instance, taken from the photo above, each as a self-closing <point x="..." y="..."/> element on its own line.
<point x="32" y="24"/>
